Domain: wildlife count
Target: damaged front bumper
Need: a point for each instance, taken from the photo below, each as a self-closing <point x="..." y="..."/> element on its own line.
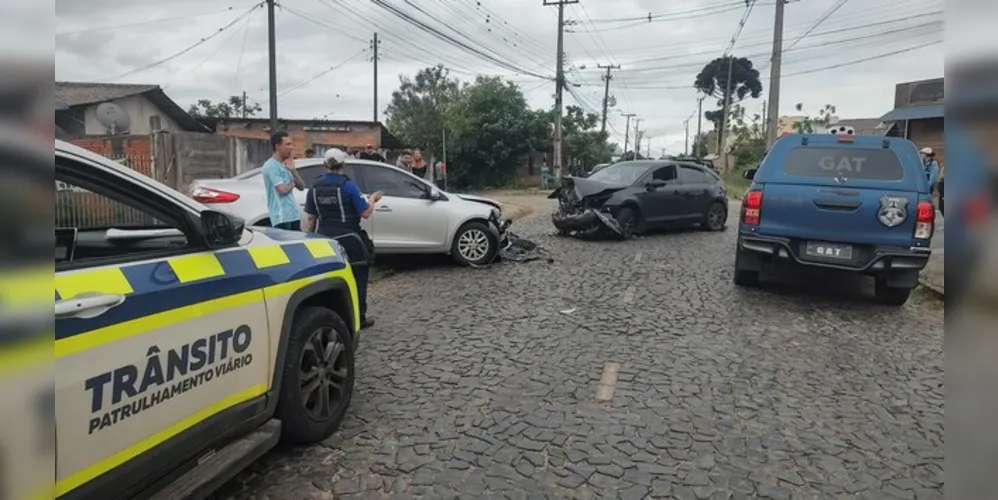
<point x="587" y="222"/>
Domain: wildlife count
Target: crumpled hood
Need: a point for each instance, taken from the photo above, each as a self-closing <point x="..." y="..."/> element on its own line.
<point x="480" y="199"/>
<point x="584" y="187"/>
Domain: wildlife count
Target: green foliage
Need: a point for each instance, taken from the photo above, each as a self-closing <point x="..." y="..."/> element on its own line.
<point x="490" y="127"/>
<point x="819" y="123"/>
<point x="748" y="145"/>
<point x="417" y="111"/>
<point x="231" y="108"/>
<point x="699" y="146"/>
<point x="713" y="81"/>
<point x="631" y="155"/>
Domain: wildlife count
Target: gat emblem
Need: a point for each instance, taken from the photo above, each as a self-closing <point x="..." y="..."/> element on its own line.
<point x="893" y="210"/>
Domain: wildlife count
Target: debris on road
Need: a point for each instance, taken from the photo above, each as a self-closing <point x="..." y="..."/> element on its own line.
<point x="517" y="249"/>
<point x="568" y="311"/>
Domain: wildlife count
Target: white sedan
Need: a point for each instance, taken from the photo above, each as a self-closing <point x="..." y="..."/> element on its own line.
<point x="413" y="217"/>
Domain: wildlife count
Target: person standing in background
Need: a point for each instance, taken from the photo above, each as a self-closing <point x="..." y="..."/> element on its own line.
<point x="405" y="161"/>
<point x="931" y="167"/>
<point x="440" y="175"/>
<point x="545" y="174"/>
<point x="309" y="153"/>
<point x="280" y="179"/>
<point x="417" y="165"/>
<point x="370" y="154"/>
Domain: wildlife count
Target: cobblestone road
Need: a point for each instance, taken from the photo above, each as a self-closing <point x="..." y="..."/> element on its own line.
<point x="483" y="383"/>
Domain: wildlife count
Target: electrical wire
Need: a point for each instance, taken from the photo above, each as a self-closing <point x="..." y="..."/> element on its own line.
<point x="144" y="23"/>
<point x="192" y="69"/>
<point x="239" y="63"/>
<point x="191" y="47"/>
<point x="317" y="76"/>
<point x="817" y="23"/>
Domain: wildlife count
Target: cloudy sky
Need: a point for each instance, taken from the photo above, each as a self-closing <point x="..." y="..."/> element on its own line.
<point x="849" y="54"/>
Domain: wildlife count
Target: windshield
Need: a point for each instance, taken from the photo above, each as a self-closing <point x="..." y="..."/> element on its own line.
<point x="621" y="174"/>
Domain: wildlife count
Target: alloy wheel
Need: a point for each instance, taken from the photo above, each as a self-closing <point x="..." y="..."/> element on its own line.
<point x="473" y="245"/>
<point x="323" y="374"/>
<point x="716" y="216"/>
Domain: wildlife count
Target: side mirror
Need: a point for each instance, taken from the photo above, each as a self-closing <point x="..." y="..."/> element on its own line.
<point x="435" y="194"/>
<point x="750" y="173"/>
<point x="656" y="183"/>
<point x="221" y="229"/>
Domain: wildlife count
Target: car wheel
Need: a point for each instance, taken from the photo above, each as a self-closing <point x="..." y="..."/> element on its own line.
<point x="318" y="378"/>
<point x="891" y="295"/>
<point x="744" y="277"/>
<point x="629" y="220"/>
<point x="474" y="245"/>
<point x="715" y="217"/>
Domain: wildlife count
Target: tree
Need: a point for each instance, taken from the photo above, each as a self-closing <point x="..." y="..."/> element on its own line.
<point x="417" y="109"/>
<point x="631" y="155"/>
<point x="809" y="124"/>
<point x="713" y="81"/>
<point x="699" y="146"/>
<point x="233" y="107"/>
<point x="584" y="145"/>
<point x="748" y="145"/>
<point x="490" y="128"/>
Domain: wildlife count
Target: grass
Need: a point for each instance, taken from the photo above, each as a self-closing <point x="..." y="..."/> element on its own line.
<point x="736" y="184"/>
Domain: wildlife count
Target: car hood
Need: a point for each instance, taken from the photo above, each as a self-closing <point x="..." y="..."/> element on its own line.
<point x="480" y="199"/>
<point x="585" y="187"/>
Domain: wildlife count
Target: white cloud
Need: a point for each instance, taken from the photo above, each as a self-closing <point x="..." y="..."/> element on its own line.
<point x="659" y="59"/>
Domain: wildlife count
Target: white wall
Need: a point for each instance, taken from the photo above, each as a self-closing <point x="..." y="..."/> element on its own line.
<point x="139" y="109"/>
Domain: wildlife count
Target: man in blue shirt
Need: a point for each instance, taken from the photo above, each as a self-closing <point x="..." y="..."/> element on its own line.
<point x="334" y="207"/>
<point x="931" y="167"/>
<point x="280" y="179"/>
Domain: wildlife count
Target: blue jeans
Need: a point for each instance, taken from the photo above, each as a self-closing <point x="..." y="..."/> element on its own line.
<point x="544" y="182"/>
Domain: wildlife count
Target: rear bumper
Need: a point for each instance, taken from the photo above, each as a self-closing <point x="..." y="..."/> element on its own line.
<point x="866" y="259"/>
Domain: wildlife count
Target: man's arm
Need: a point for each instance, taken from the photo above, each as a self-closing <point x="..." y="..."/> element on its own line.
<point x="275" y="178"/>
<point x="311" y="212"/>
<point x="933" y="174"/>
<point x="364" y="208"/>
<point x="295" y="178"/>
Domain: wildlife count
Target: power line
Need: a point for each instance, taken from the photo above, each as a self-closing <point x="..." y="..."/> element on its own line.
<point x="424" y="27"/>
<point x="143" y="23"/>
<point x="239" y="62"/>
<point x="192" y="69"/>
<point x="319" y="75"/>
<point x="817" y="23"/>
<point x="191" y="47"/>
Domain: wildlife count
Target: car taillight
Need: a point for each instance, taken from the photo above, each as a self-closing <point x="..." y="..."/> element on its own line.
<point x="925" y="221"/>
<point x="208" y="195"/>
<point x="752" y="208"/>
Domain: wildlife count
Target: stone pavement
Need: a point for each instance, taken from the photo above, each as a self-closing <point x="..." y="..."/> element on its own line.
<point x="629" y="370"/>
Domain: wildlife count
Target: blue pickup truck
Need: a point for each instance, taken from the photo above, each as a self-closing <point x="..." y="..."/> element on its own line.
<point x="839" y="201"/>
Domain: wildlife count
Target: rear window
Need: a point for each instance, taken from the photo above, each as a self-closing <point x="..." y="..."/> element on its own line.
<point x="869" y="164"/>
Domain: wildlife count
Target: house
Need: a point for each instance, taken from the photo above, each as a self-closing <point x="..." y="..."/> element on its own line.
<point x="918" y="115"/>
<point x="318" y="135"/>
<point x="146" y="108"/>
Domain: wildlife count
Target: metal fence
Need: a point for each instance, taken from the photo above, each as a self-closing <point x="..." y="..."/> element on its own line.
<point x="77" y="207"/>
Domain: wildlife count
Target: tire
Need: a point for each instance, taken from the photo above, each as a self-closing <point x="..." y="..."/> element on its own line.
<point x="744" y="277"/>
<point x="303" y="419"/>
<point x="629" y="220"/>
<point x="891" y="295"/>
<point x="474" y="245"/>
<point x="715" y="217"/>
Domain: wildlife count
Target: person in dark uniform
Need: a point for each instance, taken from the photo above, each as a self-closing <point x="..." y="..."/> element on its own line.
<point x="334" y="207"/>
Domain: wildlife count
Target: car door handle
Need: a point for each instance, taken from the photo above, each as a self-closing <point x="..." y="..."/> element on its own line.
<point x="87" y="305"/>
<point x="383" y="208"/>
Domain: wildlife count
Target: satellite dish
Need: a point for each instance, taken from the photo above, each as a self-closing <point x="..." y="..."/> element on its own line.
<point x="113" y="118"/>
<point x="611" y="101"/>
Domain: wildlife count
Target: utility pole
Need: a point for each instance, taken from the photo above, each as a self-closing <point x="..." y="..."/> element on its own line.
<point x="699" y="139"/>
<point x="774" y="75"/>
<point x="627" y="130"/>
<point x="723" y="136"/>
<point x="648" y="148"/>
<point x="606" y="92"/>
<point x="686" y="148"/>
<point x="272" y="47"/>
<point x="374" y="48"/>
<point x="637" y="137"/>
<point x="765" y="124"/>
<point x="559" y="82"/>
<point x="244" y="105"/>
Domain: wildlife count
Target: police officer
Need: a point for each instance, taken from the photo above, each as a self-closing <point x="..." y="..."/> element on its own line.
<point x="333" y="208"/>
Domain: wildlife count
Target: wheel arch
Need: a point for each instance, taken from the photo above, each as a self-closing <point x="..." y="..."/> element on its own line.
<point x="460" y="224"/>
<point x="332" y="293"/>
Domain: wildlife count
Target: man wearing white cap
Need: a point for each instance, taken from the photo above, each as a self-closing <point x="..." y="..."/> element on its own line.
<point x="334" y="207"/>
<point x="931" y="167"/>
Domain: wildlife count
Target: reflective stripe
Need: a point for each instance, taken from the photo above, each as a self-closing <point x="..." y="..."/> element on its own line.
<point x="109" y="280"/>
<point x="271" y="256"/>
<point x="196" y="267"/>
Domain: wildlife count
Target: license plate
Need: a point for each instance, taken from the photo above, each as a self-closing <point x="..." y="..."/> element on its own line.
<point x="828" y="250"/>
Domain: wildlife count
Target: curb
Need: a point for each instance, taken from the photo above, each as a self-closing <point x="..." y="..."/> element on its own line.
<point x="934" y="289"/>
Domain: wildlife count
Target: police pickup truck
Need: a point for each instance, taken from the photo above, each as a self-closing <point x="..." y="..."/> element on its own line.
<point x="840" y="201"/>
<point x="186" y="344"/>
